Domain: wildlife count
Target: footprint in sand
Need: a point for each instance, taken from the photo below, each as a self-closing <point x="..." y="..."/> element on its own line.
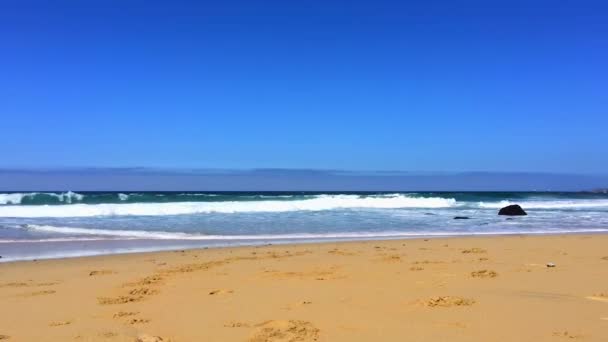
<point x="448" y="301"/>
<point x="568" y="335"/>
<point x="134" y="321"/>
<point x="484" y="274"/>
<point x="59" y="323"/>
<point x="474" y="250"/>
<point x="427" y="262"/>
<point x="135" y="295"/>
<point x="119" y="300"/>
<point x="284" y="331"/>
<point x="149" y="280"/>
<point x="297" y="305"/>
<point x="391" y="258"/>
<point x="37" y="293"/>
<point x="4" y="337"/>
<point x="144" y="291"/>
<point x="318" y="274"/>
<point x="28" y="284"/>
<point x="149" y="338"/>
<point x="108" y="334"/>
<point x="14" y="284"/>
<point x="235" y="324"/>
<point x="341" y="252"/>
<point x="121" y="314"/>
<point x="50" y="283"/>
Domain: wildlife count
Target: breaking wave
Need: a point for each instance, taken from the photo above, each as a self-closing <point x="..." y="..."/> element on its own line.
<point x="63" y="197"/>
<point x="318" y="203"/>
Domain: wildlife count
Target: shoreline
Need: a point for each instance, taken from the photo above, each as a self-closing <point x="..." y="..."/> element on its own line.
<point x="474" y="288"/>
<point x="190" y="245"/>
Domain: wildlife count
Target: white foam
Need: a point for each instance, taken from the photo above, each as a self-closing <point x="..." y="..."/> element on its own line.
<point x="68" y="197"/>
<point x="561" y="204"/>
<point x="321" y="202"/>
<point x="164" y="235"/>
<point x="13" y="198"/>
<point x="91" y="234"/>
<point x="123" y="197"/>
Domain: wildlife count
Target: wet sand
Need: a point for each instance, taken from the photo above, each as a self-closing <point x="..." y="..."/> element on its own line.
<point x="444" y="289"/>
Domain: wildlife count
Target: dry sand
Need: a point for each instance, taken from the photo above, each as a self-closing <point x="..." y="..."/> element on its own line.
<point x="445" y="289"/>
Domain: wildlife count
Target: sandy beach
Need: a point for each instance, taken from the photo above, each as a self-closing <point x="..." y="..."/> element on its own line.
<point x="445" y="289"/>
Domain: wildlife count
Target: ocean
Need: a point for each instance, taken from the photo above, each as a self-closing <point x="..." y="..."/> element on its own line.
<point x="39" y="225"/>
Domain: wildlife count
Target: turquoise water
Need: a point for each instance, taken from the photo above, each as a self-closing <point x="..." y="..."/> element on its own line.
<point x="38" y="225"/>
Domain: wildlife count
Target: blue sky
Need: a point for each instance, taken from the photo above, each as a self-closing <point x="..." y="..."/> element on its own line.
<point x="454" y="86"/>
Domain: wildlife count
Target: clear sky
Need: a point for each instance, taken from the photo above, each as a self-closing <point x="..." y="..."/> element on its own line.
<point x="349" y="85"/>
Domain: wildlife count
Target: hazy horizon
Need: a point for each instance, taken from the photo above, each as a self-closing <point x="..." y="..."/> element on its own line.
<point x="164" y="179"/>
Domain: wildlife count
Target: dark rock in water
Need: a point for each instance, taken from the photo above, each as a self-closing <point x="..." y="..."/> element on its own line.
<point x="461" y="217"/>
<point x="512" y="210"/>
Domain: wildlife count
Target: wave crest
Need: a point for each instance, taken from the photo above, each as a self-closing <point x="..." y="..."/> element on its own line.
<point x="318" y="203"/>
<point x="63" y="197"/>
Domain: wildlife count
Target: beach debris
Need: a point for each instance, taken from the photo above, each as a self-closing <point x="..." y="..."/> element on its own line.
<point x="461" y="217"/>
<point x="550" y="264"/>
<point x="512" y="210"/>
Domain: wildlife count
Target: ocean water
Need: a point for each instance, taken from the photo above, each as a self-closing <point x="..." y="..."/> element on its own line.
<point x="45" y="225"/>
